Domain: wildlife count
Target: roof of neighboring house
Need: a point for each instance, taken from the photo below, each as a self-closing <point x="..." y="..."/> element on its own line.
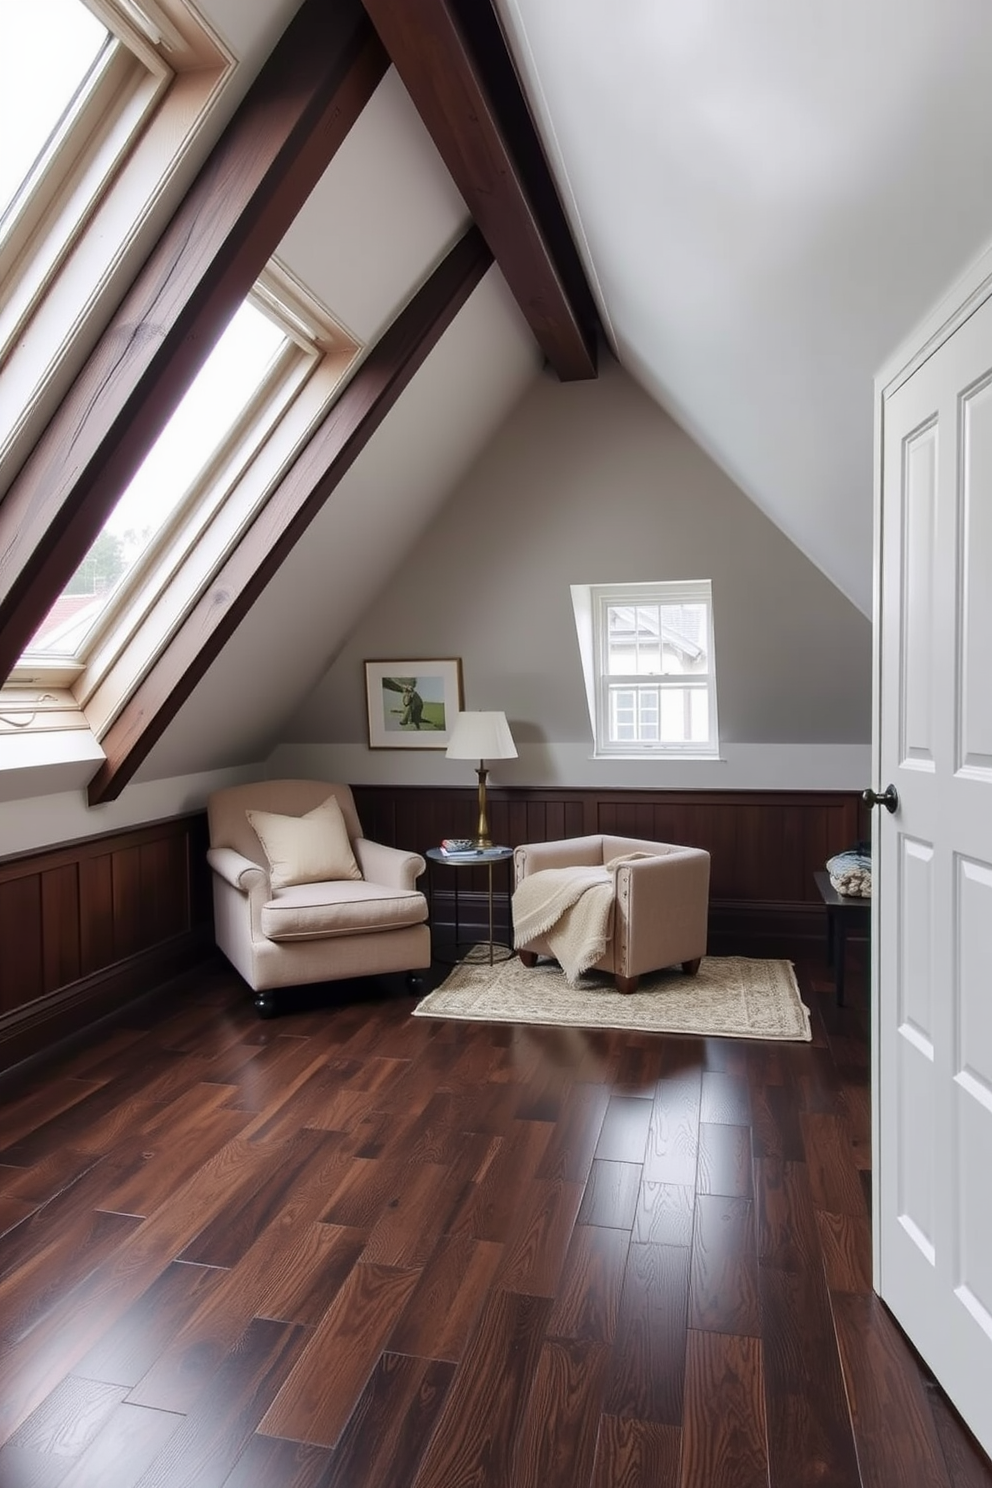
<point x="66" y="607"/>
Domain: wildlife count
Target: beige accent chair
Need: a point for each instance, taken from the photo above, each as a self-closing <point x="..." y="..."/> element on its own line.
<point x="312" y="931"/>
<point x="661" y="906"/>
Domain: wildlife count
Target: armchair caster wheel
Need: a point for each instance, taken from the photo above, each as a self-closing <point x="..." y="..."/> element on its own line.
<point x="265" y="1005"/>
<point x="414" y="983"/>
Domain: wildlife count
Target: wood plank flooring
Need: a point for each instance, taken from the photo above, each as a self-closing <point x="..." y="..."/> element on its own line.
<point x="348" y="1248"/>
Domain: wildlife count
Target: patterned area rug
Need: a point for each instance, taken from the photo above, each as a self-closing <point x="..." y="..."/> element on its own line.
<point x="731" y="995"/>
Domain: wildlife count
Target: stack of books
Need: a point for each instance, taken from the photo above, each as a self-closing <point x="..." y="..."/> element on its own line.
<point x="460" y="847"/>
<point x="464" y="847"/>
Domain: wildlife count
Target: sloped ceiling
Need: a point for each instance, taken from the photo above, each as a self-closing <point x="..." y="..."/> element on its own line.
<point x="768" y="197"/>
<point x="378" y="221"/>
<point x="296" y="627"/>
<point x="766" y="200"/>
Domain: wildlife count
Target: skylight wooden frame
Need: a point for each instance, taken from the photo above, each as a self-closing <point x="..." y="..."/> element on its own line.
<point x="220" y="507"/>
<point x="351" y="421"/>
<point x="86" y="118"/>
<point x="212" y="515"/>
<point x="302" y="105"/>
<point x="89" y="215"/>
<point x="211" y="485"/>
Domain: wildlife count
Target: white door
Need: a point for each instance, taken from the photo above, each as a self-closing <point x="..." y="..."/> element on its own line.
<point x="933" y="948"/>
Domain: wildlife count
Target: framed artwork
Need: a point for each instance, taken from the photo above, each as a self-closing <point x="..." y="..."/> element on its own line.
<point x="412" y="704"/>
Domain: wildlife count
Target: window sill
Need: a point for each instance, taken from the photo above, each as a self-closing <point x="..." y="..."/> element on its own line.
<point x="662" y="758"/>
<point x="41" y="763"/>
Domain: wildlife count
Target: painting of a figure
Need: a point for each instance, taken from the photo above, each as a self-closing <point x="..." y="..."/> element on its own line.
<point x="413" y="703"/>
<point x="412" y="707"/>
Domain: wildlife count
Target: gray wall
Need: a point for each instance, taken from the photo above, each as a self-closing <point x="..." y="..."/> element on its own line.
<point x="592" y="483"/>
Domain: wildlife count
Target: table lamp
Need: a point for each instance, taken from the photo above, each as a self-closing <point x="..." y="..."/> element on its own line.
<point x="481" y="736"/>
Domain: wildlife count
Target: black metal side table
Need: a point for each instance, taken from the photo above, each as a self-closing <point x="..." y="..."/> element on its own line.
<point x="484" y="952"/>
<point x="844" y="912"/>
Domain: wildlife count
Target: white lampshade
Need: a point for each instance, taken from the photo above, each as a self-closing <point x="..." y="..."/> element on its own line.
<point x="481" y="736"/>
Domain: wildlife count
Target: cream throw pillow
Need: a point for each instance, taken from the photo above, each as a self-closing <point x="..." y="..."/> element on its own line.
<point x="305" y="849"/>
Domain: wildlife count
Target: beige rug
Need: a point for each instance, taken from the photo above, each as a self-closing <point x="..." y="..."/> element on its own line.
<point x="730" y="995"/>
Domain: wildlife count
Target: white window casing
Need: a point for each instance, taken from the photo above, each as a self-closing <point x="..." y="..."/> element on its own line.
<point x="648" y="657"/>
<point x="92" y="204"/>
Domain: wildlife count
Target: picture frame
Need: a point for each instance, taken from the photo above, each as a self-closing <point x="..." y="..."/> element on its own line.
<point x="412" y="703"/>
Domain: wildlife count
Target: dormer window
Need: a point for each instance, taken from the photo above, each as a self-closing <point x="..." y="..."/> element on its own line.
<point x="647" y="652"/>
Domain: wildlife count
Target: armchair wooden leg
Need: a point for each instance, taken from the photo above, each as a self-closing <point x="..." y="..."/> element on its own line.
<point x="626" y="984"/>
<point x="265" y="1004"/>
<point x="691" y="967"/>
<point x="527" y="958"/>
<point x="414" y="983"/>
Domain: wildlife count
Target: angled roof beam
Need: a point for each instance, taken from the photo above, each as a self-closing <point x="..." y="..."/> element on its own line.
<point x="453" y="60"/>
<point x="311" y="479"/>
<point x="301" y="106"/>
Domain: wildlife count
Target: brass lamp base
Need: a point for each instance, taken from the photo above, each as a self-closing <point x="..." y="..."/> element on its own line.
<point x="482" y="837"/>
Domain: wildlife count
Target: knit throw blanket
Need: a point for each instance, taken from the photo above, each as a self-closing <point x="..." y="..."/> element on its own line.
<point x="573" y="909"/>
<point x="850" y="873"/>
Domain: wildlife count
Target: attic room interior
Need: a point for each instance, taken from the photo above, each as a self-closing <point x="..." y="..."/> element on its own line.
<point x="342" y="336"/>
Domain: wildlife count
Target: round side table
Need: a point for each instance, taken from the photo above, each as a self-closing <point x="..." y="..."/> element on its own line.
<point x="478" y="952"/>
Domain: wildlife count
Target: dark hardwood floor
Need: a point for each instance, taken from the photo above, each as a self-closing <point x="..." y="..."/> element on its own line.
<point x="348" y="1248"/>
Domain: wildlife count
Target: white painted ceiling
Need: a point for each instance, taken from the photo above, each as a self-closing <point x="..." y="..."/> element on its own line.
<point x="768" y="196"/>
<point x="248" y="28"/>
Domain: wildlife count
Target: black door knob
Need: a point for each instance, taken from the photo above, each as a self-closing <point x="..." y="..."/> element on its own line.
<point x="889" y="798"/>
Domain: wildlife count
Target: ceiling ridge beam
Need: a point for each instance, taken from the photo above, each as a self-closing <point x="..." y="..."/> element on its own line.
<point x="453" y="60"/>
<point x="312" y="478"/>
<point x="295" y="115"/>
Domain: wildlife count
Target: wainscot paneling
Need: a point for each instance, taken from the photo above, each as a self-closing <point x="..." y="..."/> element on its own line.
<point x="765" y="845"/>
<point x="86" y="926"/>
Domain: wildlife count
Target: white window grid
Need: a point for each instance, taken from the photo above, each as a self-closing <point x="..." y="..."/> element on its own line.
<point x="655" y="680"/>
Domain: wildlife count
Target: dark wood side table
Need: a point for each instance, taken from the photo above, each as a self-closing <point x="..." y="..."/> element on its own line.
<point x="488" y="951"/>
<point x="844" y="912"/>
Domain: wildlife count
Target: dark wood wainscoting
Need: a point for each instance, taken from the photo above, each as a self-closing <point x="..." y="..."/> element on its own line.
<point x="765" y="845"/>
<point x="88" y="925"/>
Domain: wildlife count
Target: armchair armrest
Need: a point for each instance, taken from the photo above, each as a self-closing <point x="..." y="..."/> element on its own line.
<point x="681" y="873"/>
<point x="234" y="868"/>
<point x="678" y="880"/>
<point x="388" y="865"/>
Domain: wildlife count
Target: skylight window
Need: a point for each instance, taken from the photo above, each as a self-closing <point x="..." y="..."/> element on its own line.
<point x="99" y="105"/>
<point x="53" y="52"/>
<point x="216" y="405"/>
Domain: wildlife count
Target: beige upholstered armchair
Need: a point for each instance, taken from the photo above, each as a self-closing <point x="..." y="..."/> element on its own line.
<point x="301" y="896"/>
<point x="660" y="905"/>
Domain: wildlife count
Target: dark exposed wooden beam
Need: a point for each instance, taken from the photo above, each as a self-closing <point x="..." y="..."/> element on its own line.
<point x="452" y="58"/>
<point x="329" y="454"/>
<point x="295" y="115"/>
